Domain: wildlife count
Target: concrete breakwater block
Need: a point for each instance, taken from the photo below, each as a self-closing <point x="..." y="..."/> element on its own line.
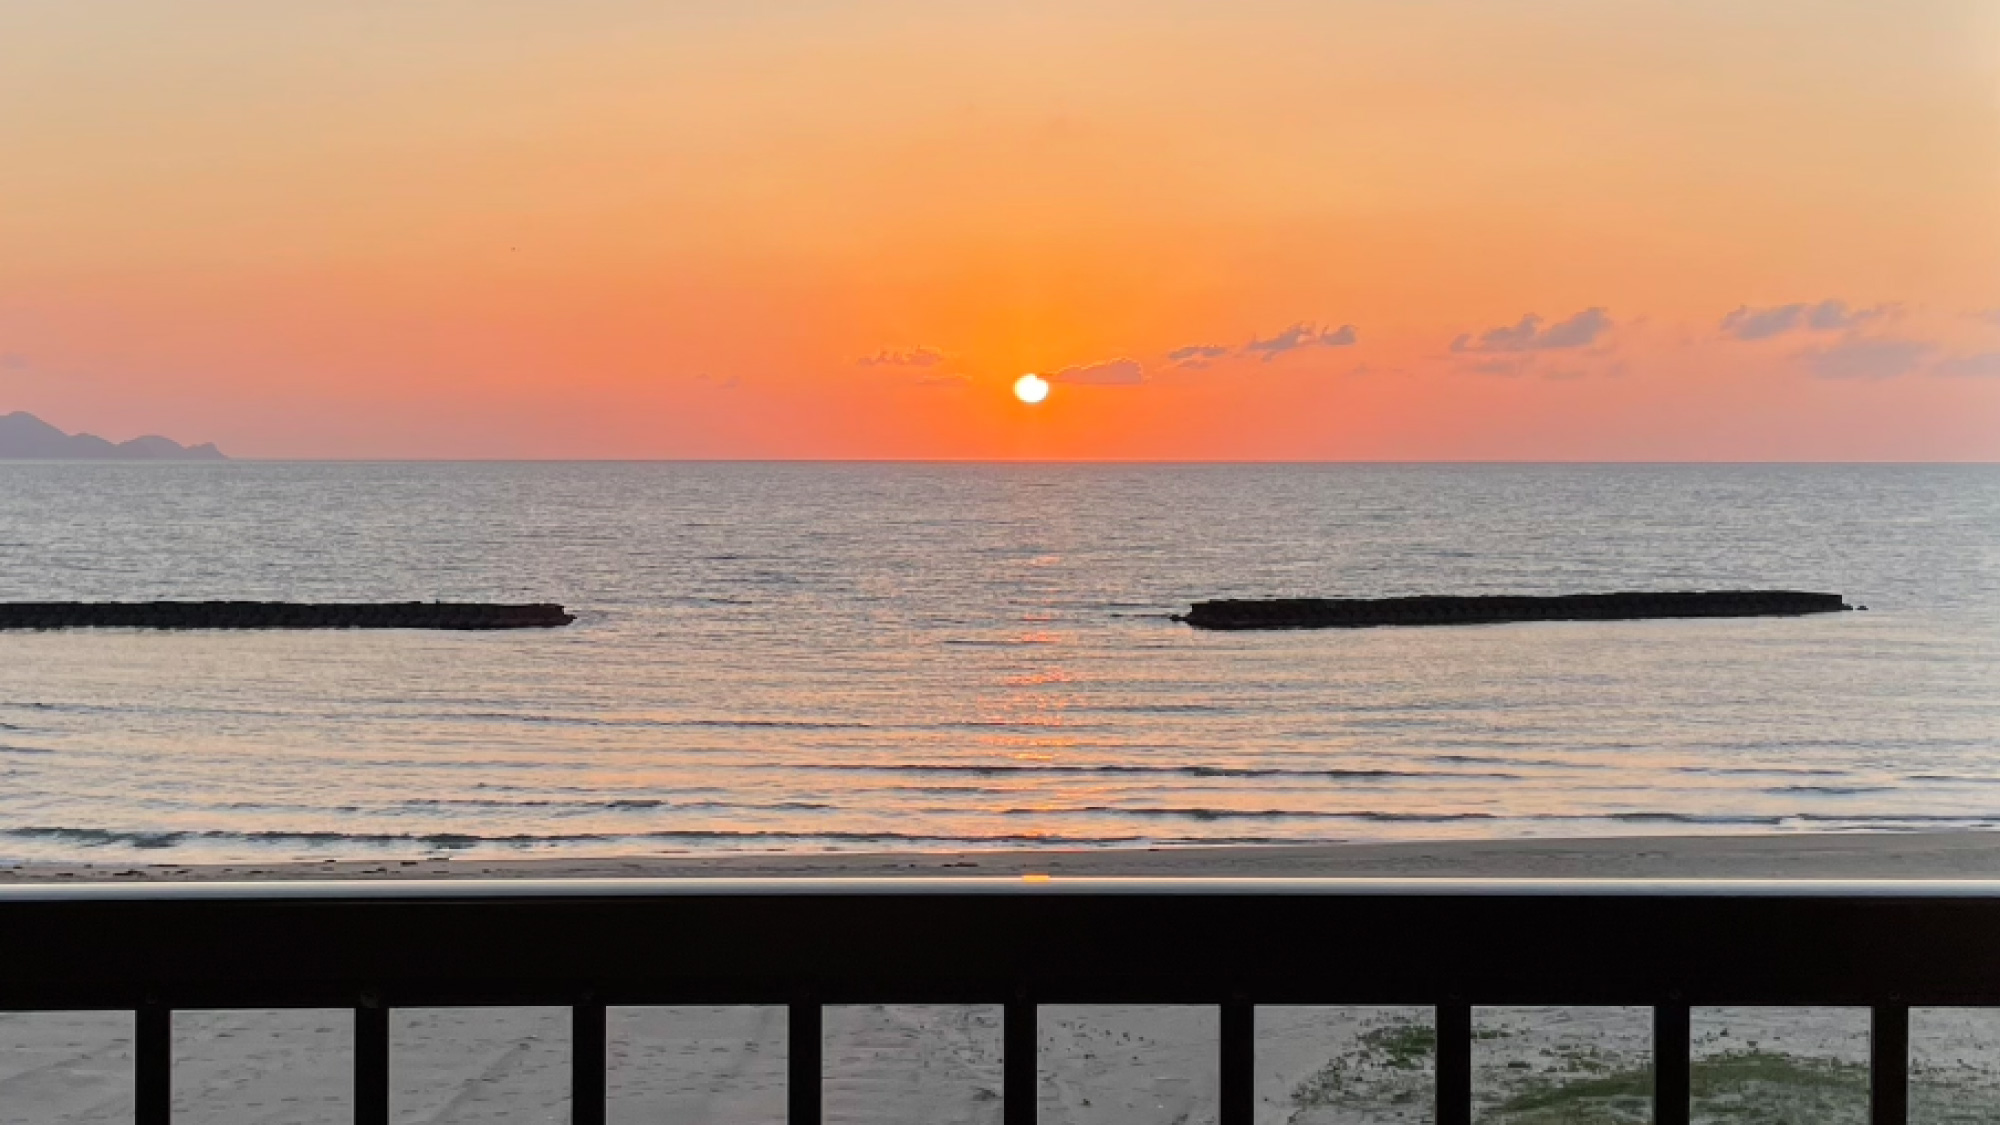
<point x="1357" y="613"/>
<point x="279" y="615"/>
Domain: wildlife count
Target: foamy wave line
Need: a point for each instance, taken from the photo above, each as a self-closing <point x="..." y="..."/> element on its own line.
<point x="1877" y="820"/>
<point x="161" y="839"/>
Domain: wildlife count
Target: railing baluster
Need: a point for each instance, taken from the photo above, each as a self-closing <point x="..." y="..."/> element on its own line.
<point x="1019" y="1077"/>
<point x="803" y="1068"/>
<point x="153" y="1065"/>
<point x="1889" y="1065"/>
<point x="587" y="1064"/>
<point x="1239" y="1062"/>
<point x="371" y="1062"/>
<point x="1454" y="1064"/>
<point x="1672" y="1078"/>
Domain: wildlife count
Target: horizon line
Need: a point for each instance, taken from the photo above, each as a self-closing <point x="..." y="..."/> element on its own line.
<point x="1162" y="461"/>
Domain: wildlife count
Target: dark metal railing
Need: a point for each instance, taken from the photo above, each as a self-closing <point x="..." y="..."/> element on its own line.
<point x="1234" y="943"/>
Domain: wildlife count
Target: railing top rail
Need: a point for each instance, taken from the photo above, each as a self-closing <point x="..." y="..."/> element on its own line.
<point x="971" y="940"/>
<point x="469" y="889"/>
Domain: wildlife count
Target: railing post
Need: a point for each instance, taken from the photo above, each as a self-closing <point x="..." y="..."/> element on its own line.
<point x="587" y="1063"/>
<point x="1238" y="1093"/>
<point x="153" y="1065"/>
<point x="1672" y="1077"/>
<point x="371" y="1061"/>
<point x="1019" y="1066"/>
<point x="1889" y="1065"/>
<point x="803" y="1068"/>
<point x="1454" y="1064"/>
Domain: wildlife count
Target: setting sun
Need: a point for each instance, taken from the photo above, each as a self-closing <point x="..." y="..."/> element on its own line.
<point x="1031" y="389"/>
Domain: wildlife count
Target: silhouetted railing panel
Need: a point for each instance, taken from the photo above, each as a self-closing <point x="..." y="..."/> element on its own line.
<point x="1447" y="944"/>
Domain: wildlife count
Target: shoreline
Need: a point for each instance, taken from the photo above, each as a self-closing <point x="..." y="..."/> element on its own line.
<point x="1877" y="855"/>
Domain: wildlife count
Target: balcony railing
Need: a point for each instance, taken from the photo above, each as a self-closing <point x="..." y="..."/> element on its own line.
<point x="1234" y="943"/>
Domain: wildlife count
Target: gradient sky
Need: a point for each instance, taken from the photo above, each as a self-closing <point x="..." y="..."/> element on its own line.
<point x="1267" y="229"/>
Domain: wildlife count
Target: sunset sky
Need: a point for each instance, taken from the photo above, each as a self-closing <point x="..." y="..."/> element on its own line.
<point x="1267" y="229"/>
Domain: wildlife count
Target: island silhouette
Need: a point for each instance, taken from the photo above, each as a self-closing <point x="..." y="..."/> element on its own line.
<point x="24" y="437"/>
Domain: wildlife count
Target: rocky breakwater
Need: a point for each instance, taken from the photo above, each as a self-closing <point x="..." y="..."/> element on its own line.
<point x="1357" y="613"/>
<point x="280" y="615"/>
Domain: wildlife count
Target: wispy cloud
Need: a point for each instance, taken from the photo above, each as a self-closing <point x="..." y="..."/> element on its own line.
<point x="903" y="357"/>
<point x="1760" y="324"/>
<point x="13" y="361"/>
<point x="1866" y="358"/>
<point x="1746" y="323"/>
<point x="1110" y="373"/>
<point x="1302" y="335"/>
<point x="1983" y="365"/>
<point x="1529" y="335"/>
<point x="944" y="380"/>
<point x="1198" y="355"/>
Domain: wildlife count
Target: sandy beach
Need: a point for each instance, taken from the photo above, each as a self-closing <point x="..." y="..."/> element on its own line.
<point x="1100" y="1065"/>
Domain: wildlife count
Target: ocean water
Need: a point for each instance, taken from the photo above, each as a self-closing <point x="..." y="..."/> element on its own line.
<point x="827" y="656"/>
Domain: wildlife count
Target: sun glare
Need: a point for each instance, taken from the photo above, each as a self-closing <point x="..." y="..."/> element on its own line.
<point x="1031" y="389"/>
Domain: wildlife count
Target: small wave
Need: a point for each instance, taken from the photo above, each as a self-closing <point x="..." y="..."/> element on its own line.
<point x="1895" y="818"/>
<point x="650" y="723"/>
<point x="1954" y="778"/>
<point x="762" y="724"/>
<point x="686" y="601"/>
<point x="1832" y="790"/>
<point x="1486" y="760"/>
<point x="1686" y="818"/>
<point x="616" y="803"/>
<point x="1256" y="814"/>
<point x="1762" y="771"/>
<point x="459" y="841"/>
<point x="998" y="770"/>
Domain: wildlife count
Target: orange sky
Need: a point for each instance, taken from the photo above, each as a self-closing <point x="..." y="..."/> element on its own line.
<point x="489" y="228"/>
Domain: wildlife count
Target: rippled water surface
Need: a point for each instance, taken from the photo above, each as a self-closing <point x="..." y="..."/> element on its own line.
<point x="808" y="656"/>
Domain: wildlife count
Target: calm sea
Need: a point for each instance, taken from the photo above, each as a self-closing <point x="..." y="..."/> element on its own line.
<point x="811" y="656"/>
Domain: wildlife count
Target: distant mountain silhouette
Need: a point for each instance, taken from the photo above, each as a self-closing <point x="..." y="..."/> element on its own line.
<point x="24" y="437"/>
